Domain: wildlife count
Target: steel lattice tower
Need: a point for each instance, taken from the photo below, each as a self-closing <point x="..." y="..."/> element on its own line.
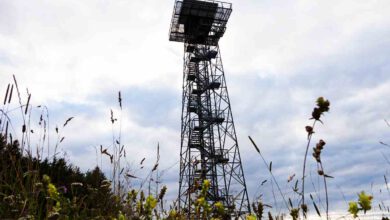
<point x="209" y="148"/>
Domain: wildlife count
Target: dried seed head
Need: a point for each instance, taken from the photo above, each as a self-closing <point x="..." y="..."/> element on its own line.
<point x="317" y="157"/>
<point x="309" y="129"/>
<point x="316" y="114"/>
<point x="6" y="94"/>
<point x="304" y="208"/>
<point x="162" y="193"/>
<point x="317" y="151"/>
<point x="10" y="94"/>
<point x="323" y="104"/>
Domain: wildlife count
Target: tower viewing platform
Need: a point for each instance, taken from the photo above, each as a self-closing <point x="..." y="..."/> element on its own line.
<point x="199" y="22"/>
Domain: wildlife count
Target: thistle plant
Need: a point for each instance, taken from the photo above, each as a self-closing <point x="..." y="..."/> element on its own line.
<point x="322" y="106"/>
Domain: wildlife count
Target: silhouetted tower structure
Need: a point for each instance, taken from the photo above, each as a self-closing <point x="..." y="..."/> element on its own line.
<point x="209" y="148"/>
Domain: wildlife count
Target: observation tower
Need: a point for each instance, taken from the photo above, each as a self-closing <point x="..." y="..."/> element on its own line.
<point x="209" y="148"/>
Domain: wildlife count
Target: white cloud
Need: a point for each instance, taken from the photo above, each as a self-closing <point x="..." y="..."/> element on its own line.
<point x="88" y="47"/>
<point x="283" y="37"/>
<point x="279" y="56"/>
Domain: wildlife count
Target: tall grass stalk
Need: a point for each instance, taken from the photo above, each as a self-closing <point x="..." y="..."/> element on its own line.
<point x="322" y="106"/>
<point x="270" y="171"/>
<point x="310" y="134"/>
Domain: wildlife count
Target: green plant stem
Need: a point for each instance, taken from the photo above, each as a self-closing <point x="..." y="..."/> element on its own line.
<point x="272" y="175"/>
<point x="326" y="193"/>
<point x="304" y="166"/>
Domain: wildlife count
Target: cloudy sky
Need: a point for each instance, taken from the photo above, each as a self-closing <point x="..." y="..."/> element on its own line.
<point x="279" y="56"/>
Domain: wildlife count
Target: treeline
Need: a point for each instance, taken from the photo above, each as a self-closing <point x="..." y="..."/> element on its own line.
<point x="34" y="188"/>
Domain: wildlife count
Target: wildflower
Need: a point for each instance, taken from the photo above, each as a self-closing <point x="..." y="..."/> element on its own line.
<point x="365" y="201"/>
<point x="364" y="204"/>
<point x="323" y="104"/>
<point x="353" y="209"/>
<point x="250" y="217"/>
<point x="309" y="130"/>
<point x="121" y="216"/>
<point x="219" y="207"/>
<point x="317" y="150"/>
<point x="205" y="186"/>
<point x="322" y="107"/>
<point x="172" y="214"/>
<point x="206" y="183"/>
<point x="52" y="191"/>
<point x="150" y="203"/>
<point x="200" y="201"/>
<point x="321" y="144"/>
<point x="46" y="179"/>
<point x="316" y="114"/>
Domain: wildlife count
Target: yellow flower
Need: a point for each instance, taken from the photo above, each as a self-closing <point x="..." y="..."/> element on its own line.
<point x="151" y="202"/>
<point x="365" y="201"/>
<point x="57" y="208"/>
<point x="219" y="207"/>
<point x="200" y="201"/>
<point x="121" y="216"/>
<point x="206" y="183"/>
<point x="250" y="217"/>
<point x="46" y="179"/>
<point x="172" y="213"/>
<point x="52" y="190"/>
<point x="353" y="209"/>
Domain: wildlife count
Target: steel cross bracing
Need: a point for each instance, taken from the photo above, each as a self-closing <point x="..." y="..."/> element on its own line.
<point x="209" y="148"/>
